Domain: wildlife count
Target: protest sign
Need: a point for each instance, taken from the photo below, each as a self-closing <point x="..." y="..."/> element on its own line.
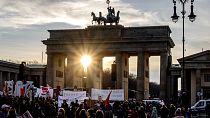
<point x="116" y="94"/>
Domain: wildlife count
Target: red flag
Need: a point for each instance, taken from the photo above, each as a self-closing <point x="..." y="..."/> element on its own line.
<point x="22" y="91"/>
<point x="106" y="102"/>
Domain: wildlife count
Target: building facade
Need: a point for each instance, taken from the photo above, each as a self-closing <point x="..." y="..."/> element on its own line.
<point x="10" y="71"/>
<point x="197" y="76"/>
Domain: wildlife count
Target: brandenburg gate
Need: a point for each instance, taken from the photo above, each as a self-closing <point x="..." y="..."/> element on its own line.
<point x="65" y="48"/>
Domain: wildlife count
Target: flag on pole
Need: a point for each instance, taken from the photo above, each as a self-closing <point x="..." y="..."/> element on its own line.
<point x="106" y="102"/>
<point x="27" y="114"/>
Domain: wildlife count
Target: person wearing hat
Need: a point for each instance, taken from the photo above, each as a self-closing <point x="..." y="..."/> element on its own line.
<point x="4" y="110"/>
<point x="12" y="113"/>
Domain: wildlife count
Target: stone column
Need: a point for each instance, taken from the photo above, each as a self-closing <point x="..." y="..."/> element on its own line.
<point x="99" y="73"/>
<point x="146" y="75"/>
<point x="59" y="64"/>
<point x="194" y="88"/>
<point x="1" y="81"/>
<point x="175" y="92"/>
<point x="172" y="86"/>
<point x="96" y="72"/>
<point x="164" y="87"/>
<point x="8" y="76"/>
<point x="140" y="75"/>
<point x="125" y="63"/>
<point x="119" y="70"/>
<point x="198" y="79"/>
<point x="69" y="72"/>
<point x="40" y="80"/>
<point x="50" y="75"/>
<point x="16" y="77"/>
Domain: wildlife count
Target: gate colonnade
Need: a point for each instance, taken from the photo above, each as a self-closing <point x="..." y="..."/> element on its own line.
<point x="65" y="46"/>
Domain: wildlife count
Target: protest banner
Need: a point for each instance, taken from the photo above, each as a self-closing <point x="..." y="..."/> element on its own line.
<point x="44" y="92"/>
<point x="116" y="94"/>
<point x="71" y="96"/>
<point x="27" y="88"/>
<point x="18" y="86"/>
<point x="8" y="87"/>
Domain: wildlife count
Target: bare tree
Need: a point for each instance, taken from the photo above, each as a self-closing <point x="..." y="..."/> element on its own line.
<point x="154" y="89"/>
<point x="107" y="81"/>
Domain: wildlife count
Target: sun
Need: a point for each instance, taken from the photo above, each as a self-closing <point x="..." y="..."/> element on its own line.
<point x="85" y="61"/>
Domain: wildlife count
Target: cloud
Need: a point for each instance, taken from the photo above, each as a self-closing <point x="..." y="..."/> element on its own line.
<point x="22" y="13"/>
<point x="25" y="43"/>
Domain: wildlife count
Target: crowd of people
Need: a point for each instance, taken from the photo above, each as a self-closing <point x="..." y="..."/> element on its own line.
<point x="12" y="107"/>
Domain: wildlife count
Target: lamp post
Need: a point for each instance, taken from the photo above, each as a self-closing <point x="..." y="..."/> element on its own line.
<point x="175" y="19"/>
<point x="107" y="2"/>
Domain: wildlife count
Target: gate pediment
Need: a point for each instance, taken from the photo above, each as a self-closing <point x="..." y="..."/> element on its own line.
<point x="202" y="56"/>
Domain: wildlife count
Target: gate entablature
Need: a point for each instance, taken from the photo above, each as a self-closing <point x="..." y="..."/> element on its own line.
<point x="145" y="37"/>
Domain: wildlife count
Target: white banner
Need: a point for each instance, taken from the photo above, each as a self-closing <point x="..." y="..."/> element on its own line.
<point x="8" y="89"/>
<point x="44" y="92"/>
<point x="116" y="94"/>
<point x="27" y="87"/>
<point x="72" y="96"/>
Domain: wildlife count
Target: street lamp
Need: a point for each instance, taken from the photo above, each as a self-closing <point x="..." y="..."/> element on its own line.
<point x="107" y="2"/>
<point x="175" y="19"/>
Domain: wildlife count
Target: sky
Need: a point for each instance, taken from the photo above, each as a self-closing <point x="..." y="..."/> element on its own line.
<point x="24" y="24"/>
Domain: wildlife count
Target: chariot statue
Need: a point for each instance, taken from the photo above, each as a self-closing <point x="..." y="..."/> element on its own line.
<point x="110" y="18"/>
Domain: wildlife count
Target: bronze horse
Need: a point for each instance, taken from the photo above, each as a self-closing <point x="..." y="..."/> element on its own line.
<point x="109" y="19"/>
<point x="113" y="19"/>
<point x="96" y="19"/>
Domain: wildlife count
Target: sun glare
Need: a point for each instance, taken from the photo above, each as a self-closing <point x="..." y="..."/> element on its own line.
<point x="85" y="61"/>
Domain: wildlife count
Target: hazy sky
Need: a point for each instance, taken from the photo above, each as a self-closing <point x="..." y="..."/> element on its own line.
<point x="24" y="23"/>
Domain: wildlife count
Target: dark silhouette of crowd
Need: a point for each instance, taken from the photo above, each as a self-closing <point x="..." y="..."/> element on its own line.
<point x="11" y="107"/>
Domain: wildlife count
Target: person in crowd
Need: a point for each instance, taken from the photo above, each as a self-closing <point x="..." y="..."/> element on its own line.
<point x="99" y="114"/>
<point x="141" y="112"/>
<point x="91" y="113"/>
<point x="178" y="112"/>
<point x="4" y="111"/>
<point x="37" y="111"/>
<point x="81" y="106"/>
<point x="86" y="107"/>
<point x="12" y="113"/>
<point x="61" y="113"/>
<point x="164" y="112"/>
<point x="208" y="110"/>
<point x="24" y="104"/>
<point x="66" y="108"/>
<point x="183" y="111"/>
<point x="154" y="113"/>
<point x="131" y="112"/>
<point x="172" y="111"/>
<point x="108" y="111"/>
<point x="83" y="114"/>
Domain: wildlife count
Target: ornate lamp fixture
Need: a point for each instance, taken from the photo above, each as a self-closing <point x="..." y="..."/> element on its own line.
<point x="192" y="15"/>
<point x="175" y="17"/>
